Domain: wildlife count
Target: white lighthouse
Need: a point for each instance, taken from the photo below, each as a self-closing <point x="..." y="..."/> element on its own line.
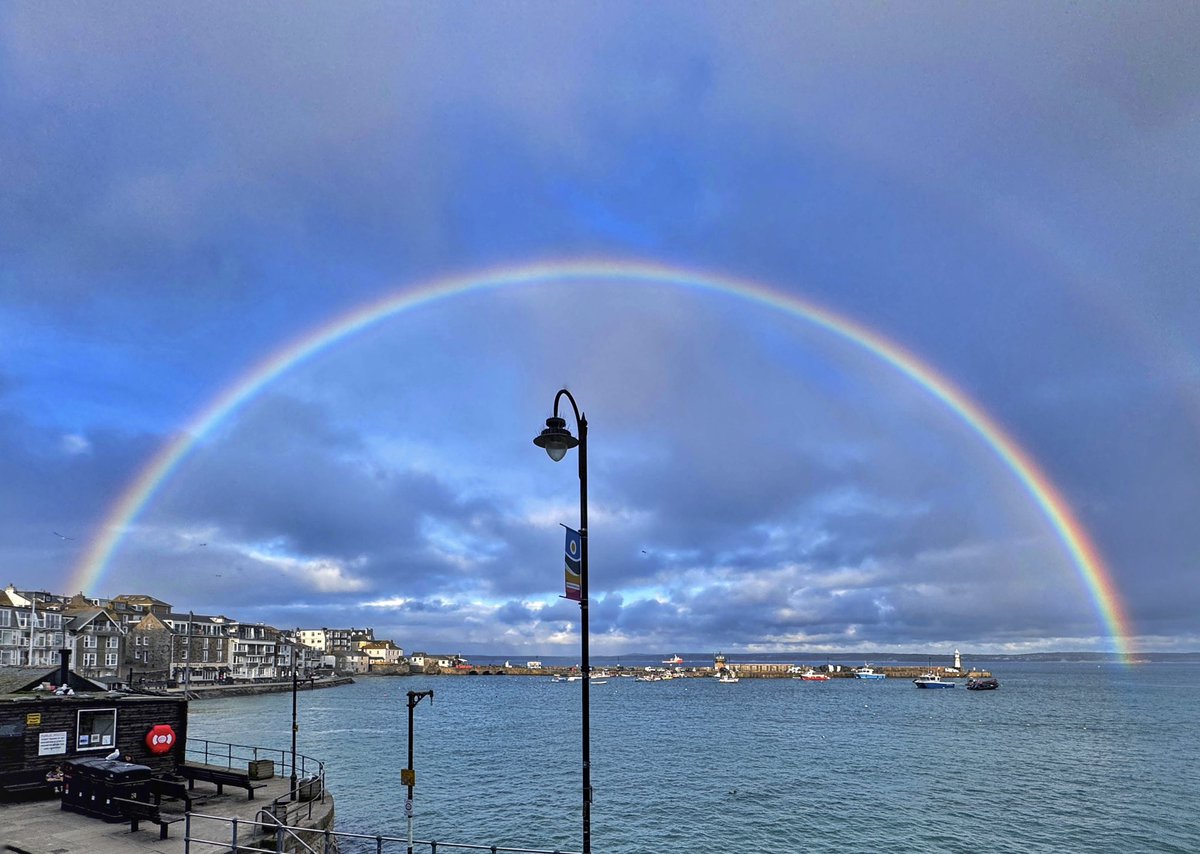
<point x="957" y="660"/>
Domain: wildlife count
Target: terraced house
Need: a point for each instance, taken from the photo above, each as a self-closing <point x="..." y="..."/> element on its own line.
<point x="31" y="629"/>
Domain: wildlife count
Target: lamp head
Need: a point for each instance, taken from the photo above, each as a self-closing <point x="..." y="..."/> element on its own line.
<point x="556" y="438"/>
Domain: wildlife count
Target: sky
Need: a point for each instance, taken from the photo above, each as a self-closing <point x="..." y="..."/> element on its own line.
<point x="837" y="211"/>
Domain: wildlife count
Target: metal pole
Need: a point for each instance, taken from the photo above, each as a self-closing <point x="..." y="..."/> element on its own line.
<point x="410" y="775"/>
<point x="583" y="636"/>
<point x="295" y="726"/>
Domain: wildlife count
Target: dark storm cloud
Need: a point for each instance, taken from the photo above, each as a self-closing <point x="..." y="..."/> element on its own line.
<point x="1008" y="191"/>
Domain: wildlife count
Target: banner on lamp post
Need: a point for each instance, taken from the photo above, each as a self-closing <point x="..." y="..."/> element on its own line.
<point x="572" y="557"/>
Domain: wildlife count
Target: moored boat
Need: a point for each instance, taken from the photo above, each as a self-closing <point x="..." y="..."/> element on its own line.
<point x="868" y="672"/>
<point x="982" y="684"/>
<point x="932" y="680"/>
<point x="811" y="675"/>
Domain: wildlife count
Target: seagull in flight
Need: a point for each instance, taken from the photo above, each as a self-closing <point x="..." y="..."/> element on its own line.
<point x="61" y="536"/>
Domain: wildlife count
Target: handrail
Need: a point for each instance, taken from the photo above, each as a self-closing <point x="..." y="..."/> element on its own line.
<point x="331" y="839"/>
<point x="308" y="771"/>
<point x="281" y="829"/>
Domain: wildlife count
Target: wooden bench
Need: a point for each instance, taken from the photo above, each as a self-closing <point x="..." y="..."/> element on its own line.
<point x="139" y="811"/>
<point x="219" y="776"/>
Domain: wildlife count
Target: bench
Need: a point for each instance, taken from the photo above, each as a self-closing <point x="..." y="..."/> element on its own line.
<point x="162" y="787"/>
<point x="29" y="783"/>
<point x="139" y="811"/>
<point x="219" y="776"/>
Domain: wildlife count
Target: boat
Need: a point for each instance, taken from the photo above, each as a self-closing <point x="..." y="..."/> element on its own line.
<point x="932" y="680"/>
<point x="811" y="675"/>
<point x="868" y="672"/>
<point x="728" y="677"/>
<point x="982" y="684"/>
<point x="674" y="659"/>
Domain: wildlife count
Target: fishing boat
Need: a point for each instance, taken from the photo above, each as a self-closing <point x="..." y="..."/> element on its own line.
<point x="811" y="675"/>
<point x="674" y="659"/>
<point x="868" y="672"/>
<point x="982" y="684"/>
<point x="932" y="680"/>
<point x="728" y="677"/>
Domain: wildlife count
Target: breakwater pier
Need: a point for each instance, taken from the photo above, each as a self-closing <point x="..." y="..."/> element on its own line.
<point x="744" y="670"/>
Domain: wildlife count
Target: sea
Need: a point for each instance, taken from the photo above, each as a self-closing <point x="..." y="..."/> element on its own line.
<point x="1063" y="757"/>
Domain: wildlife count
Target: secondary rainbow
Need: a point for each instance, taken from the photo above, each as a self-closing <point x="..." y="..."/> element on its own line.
<point x="141" y="490"/>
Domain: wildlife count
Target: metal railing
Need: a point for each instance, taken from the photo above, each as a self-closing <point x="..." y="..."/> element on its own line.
<point x="243" y="836"/>
<point x="222" y="754"/>
<point x="310" y="773"/>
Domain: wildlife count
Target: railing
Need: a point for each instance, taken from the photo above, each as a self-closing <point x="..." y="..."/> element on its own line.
<point x="309" y="772"/>
<point x="247" y="837"/>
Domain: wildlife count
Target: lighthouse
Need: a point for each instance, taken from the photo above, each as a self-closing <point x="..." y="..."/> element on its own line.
<point x="957" y="660"/>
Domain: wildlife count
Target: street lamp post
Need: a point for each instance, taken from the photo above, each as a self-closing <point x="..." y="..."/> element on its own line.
<point x="556" y="439"/>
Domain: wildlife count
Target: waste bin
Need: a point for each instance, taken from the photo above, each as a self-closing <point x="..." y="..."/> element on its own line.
<point x="89" y="786"/>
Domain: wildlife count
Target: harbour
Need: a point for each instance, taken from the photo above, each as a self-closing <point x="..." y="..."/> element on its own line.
<point x="765" y="765"/>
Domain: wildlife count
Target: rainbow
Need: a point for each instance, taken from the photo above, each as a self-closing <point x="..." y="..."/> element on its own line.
<point x="93" y="563"/>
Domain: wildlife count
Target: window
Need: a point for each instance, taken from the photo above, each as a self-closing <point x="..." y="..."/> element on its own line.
<point x="97" y="729"/>
<point x="112" y="642"/>
<point x="89" y="659"/>
<point x="110" y="659"/>
<point x="5" y="618"/>
<point x="89" y="641"/>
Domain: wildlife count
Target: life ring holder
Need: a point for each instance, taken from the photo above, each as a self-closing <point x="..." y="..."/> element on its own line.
<point x="160" y="739"/>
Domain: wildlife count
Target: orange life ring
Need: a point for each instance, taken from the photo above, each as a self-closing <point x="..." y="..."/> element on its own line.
<point x="160" y="739"/>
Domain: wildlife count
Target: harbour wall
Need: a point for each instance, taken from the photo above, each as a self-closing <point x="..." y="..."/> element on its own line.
<point x="203" y="692"/>
<point x="743" y="670"/>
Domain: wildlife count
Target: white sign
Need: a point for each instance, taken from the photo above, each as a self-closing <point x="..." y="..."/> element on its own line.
<point x="52" y="743"/>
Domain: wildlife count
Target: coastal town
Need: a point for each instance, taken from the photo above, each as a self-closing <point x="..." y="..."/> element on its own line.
<point x="135" y="640"/>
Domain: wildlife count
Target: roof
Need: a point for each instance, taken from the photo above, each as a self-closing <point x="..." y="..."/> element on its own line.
<point x="83" y="616"/>
<point x="138" y="599"/>
<point x="17" y="680"/>
<point x="380" y="644"/>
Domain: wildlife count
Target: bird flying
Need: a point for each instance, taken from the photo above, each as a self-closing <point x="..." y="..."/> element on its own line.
<point x="61" y="536"/>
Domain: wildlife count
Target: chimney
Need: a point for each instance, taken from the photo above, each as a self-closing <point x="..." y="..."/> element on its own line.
<point x="64" y="670"/>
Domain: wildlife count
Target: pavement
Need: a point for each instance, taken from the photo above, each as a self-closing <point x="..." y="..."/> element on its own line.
<point x="43" y="827"/>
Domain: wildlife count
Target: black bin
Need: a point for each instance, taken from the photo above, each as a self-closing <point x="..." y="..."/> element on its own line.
<point x="89" y="786"/>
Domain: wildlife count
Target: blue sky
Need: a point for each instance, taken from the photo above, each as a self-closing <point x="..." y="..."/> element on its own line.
<point x="1008" y="192"/>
